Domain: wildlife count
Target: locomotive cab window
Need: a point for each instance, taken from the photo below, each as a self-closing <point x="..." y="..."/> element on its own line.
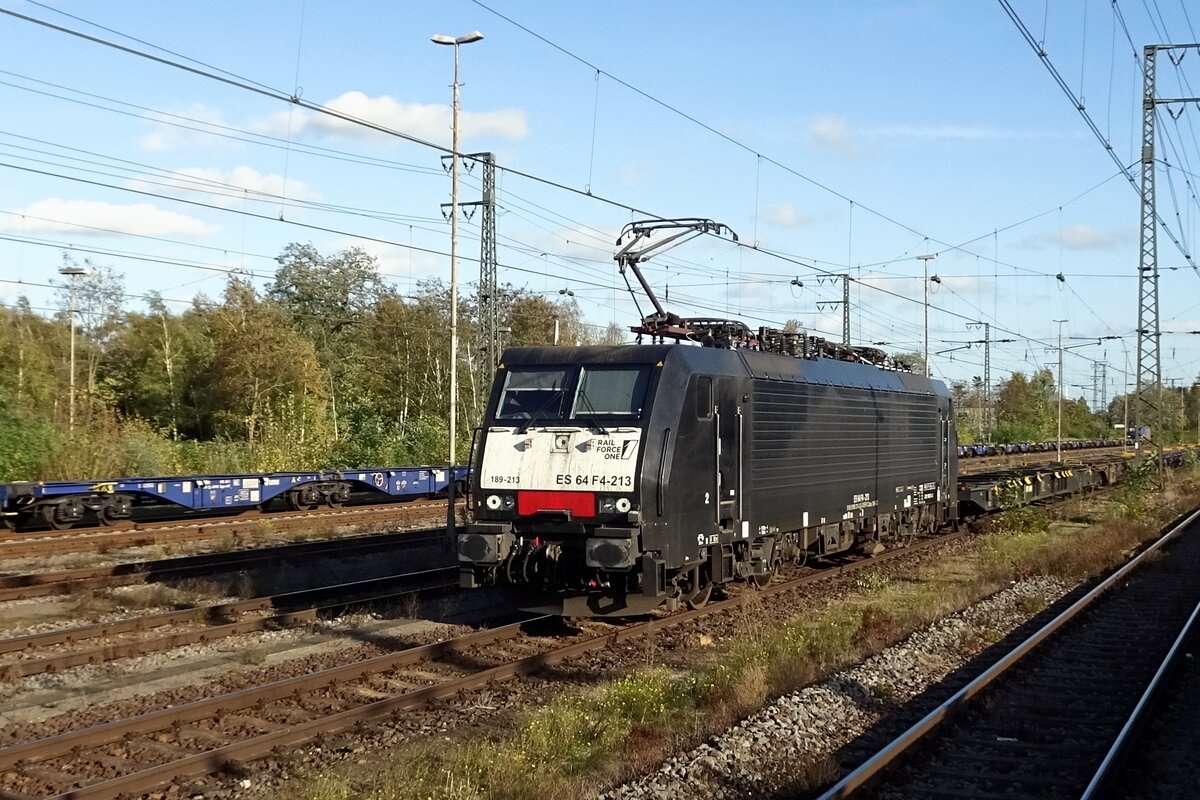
<point x="533" y="394"/>
<point x="611" y="392"/>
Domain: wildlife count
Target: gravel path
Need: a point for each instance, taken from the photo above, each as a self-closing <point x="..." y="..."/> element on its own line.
<point x="765" y="754"/>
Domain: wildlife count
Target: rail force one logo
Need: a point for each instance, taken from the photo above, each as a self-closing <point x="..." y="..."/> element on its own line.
<point x="612" y="450"/>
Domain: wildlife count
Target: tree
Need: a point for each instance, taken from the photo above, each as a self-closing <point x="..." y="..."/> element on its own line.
<point x="535" y="320"/>
<point x="1023" y="408"/>
<point x="262" y="365"/>
<point x="913" y="362"/>
<point x="614" y="334"/>
<point x="326" y="294"/>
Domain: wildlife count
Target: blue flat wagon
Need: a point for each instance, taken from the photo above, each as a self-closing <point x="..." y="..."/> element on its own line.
<point x="63" y="504"/>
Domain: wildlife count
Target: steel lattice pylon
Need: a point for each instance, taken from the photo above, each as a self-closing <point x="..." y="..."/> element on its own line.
<point x="488" y="344"/>
<point x="1148" y="408"/>
<point x="489" y="299"/>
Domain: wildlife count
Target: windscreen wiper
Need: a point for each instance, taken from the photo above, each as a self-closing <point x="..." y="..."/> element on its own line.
<point x="600" y="428"/>
<point x="537" y="414"/>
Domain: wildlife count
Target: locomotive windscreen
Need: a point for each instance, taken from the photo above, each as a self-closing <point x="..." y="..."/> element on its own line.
<point x="530" y="393"/>
<point x="542" y="394"/>
<point x="609" y="391"/>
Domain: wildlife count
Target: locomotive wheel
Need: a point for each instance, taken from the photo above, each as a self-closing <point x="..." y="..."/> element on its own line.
<point x="699" y="598"/>
<point x="762" y="581"/>
<point x="49" y="514"/>
<point x="699" y="589"/>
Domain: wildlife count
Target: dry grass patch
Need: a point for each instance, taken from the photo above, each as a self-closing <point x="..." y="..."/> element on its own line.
<point x="154" y="595"/>
<point x="88" y="602"/>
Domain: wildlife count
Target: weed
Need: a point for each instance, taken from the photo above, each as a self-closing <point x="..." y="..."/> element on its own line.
<point x="885" y="693"/>
<point x="224" y="544"/>
<point x="1032" y="604"/>
<point x="328" y="787"/>
<point x="154" y="595"/>
<point x="252" y="656"/>
<point x="876" y="629"/>
<point x="873" y="582"/>
<point x="244" y="585"/>
<point x="751" y="689"/>
<point x="410" y="605"/>
<point x="88" y="602"/>
<point x="199" y="587"/>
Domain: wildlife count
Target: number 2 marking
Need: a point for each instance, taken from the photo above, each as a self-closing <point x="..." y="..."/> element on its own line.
<point x="706" y="498"/>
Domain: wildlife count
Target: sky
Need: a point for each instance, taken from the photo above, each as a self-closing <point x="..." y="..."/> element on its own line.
<point x="832" y="138"/>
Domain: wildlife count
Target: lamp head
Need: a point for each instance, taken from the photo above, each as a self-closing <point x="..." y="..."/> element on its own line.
<point x="467" y="38"/>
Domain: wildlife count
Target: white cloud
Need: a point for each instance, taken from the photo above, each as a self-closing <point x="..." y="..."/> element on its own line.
<point x="230" y="186"/>
<point x="80" y="216"/>
<point x="166" y="136"/>
<point x="430" y="121"/>
<point x="634" y="174"/>
<point x="1085" y="237"/>
<point x="967" y="132"/>
<point x="1081" y="237"/>
<point x="832" y="132"/>
<point x="785" y="215"/>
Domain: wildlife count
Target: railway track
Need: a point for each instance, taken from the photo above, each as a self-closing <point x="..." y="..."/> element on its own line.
<point x="53" y="651"/>
<point x="43" y="584"/>
<point x="1050" y="718"/>
<point x="1156" y="754"/>
<point x="247" y="526"/>
<point x="140" y="753"/>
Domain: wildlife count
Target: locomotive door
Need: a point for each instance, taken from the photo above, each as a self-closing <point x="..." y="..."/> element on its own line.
<point x="691" y="496"/>
<point x="727" y="478"/>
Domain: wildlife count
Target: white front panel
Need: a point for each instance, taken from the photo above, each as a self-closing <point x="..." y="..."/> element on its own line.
<point x="561" y="459"/>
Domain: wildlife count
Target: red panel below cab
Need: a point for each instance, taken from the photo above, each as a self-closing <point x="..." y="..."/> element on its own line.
<point x="580" y="504"/>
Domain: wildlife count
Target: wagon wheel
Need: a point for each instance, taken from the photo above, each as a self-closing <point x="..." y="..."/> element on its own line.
<point x="296" y="501"/>
<point x="51" y="518"/>
<point x="107" y="514"/>
<point x="8" y="523"/>
<point x="335" y="500"/>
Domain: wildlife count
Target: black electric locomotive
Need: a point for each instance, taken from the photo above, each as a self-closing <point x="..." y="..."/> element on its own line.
<point x="610" y="480"/>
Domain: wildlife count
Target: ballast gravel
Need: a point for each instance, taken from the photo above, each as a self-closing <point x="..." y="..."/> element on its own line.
<point x="758" y="757"/>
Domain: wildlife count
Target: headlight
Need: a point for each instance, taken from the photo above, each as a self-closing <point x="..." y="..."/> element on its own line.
<point x="623" y="504"/>
<point x="509" y="502"/>
<point x="494" y="502"/>
<point x="608" y="505"/>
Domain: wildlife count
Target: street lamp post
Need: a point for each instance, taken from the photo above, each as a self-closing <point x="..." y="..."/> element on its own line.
<point x="72" y="272"/>
<point x="925" y="260"/>
<point x="455" y="42"/>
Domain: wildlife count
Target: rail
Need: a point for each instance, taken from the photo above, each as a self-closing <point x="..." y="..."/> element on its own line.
<point x="872" y="769"/>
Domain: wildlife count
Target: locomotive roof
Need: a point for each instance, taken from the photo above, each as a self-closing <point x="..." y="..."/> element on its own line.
<point x="717" y="361"/>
